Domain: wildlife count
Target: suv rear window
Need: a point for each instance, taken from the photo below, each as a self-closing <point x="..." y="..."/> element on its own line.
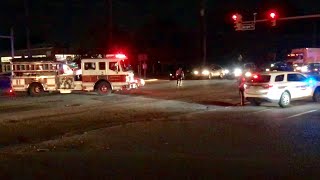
<point x="279" y="78"/>
<point x="259" y="79"/>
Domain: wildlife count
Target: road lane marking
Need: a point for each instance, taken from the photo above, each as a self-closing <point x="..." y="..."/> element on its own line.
<point x="300" y="114"/>
<point x="260" y="111"/>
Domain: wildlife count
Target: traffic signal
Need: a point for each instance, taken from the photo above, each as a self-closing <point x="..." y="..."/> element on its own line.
<point x="237" y="18"/>
<point x="273" y="18"/>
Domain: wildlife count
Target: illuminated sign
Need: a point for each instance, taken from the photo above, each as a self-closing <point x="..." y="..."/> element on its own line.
<point x="63" y="57"/>
<point x="7" y="59"/>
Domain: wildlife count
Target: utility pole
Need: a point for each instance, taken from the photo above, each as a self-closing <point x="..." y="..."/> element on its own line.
<point x="26" y="8"/>
<point x="110" y="25"/>
<point x="315" y="29"/>
<point x="12" y="42"/>
<point x="204" y="32"/>
<point x="11" y="37"/>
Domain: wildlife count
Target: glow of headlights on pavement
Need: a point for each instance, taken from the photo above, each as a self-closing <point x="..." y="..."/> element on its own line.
<point x="205" y="72"/>
<point x="196" y="72"/>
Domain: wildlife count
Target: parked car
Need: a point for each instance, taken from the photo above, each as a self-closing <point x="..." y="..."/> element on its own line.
<point x="209" y="72"/>
<point x="281" y="87"/>
<point x="237" y="71"/>
<point x="312" y="68"/>
<point x="281" y="66"/>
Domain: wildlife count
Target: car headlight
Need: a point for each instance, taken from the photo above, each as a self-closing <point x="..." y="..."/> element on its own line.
<point x="304" y="69"/>
<point x="267" y="69"/>
<point x="170" y="74"/>
<point x="248" y="74"/>
<point x="226" y="71"/>
<point x="272" y="65"/>
<point x="195" y="72"/>
<point x="205" y="72"/>
<point x="142" y="82"/>
<point x="298" y="68"/>
<point x="237" y="72"/>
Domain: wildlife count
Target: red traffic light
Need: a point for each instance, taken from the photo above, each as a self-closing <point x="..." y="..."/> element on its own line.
<point x="235" y="17"/>
<point x="273" y="15"/>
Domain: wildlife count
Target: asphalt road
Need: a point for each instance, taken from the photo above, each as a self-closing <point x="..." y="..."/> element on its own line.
<point x="194" y="131"/>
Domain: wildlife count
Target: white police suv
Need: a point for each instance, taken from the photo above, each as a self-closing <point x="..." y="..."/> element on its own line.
<point x="281" y="87"/>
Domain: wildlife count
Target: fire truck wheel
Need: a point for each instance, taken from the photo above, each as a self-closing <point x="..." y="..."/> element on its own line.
<point x="68" y="84"/>
<point x="35" y="89"/>
<point x="103" y="88"/>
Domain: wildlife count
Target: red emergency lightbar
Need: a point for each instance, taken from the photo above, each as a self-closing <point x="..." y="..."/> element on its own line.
<point x="118" y="56"/>
<point x="121" y="56"/>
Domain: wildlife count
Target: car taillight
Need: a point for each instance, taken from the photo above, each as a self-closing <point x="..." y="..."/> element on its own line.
<point x="267" y="86"/>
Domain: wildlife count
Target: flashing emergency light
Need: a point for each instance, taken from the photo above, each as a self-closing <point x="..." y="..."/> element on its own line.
<point x="120" y="56"/>
<point x="311" y="81"/>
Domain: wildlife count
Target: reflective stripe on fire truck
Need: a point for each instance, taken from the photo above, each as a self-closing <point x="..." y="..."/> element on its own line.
<point x="110" y="78"/>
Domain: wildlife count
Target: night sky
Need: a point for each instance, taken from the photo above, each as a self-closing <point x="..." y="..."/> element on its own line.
<point x="166" y="29"/>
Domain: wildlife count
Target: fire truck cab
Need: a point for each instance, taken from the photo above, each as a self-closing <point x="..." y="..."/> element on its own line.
<point x="106" y="74"/>
<point x="102" y="75"/>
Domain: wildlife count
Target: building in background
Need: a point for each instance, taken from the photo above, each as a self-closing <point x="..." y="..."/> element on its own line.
<point x="58" y="54"/>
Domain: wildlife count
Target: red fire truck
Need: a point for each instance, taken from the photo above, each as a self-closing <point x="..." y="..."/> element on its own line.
<point x="103" y="75"/>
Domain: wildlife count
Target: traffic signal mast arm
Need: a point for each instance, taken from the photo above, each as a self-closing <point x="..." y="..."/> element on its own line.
<point x="286" y="18"/>
<point x="8" y="37"/>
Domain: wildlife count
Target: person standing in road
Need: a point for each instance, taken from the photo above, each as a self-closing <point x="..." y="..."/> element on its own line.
<point x="241" y="82"/>
<point x="179" y="76"/>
